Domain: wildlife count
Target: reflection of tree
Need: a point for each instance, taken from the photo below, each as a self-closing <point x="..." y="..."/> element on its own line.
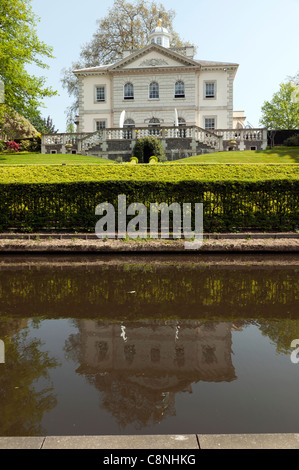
<point x="131" y="404"/>
<point x="281" y="332"/>
<point x="22" y="402"/>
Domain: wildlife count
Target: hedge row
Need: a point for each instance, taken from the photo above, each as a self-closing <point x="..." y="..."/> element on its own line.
<point x="240" y="205"/>
<point x="160" y="172"/>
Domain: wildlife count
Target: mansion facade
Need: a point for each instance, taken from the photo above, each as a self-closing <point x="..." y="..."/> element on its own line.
<point x="157" y="86"/>
<point x="157" y="91"/>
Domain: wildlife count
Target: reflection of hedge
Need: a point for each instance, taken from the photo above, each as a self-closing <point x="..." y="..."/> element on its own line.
<point x="160" y="293"/>
<point x="262" y="205"/>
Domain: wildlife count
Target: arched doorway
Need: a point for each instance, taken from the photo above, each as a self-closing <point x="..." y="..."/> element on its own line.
<point x="128" y="125"/>
<point x="182" y="124"/>
<point x="154" y="125"/>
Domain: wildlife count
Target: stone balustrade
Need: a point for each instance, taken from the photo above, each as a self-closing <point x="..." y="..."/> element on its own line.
<point x="218" y="139"/>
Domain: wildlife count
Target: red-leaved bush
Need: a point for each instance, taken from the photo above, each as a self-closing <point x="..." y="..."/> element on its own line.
<point x="13" y="146"/>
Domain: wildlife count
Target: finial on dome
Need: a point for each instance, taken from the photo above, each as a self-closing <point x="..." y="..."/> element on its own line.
<point x="160" y="19"/>
<point x="160" y="35"/>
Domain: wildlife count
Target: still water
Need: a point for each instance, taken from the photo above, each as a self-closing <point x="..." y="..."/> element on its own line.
<point x="149" y="345"/>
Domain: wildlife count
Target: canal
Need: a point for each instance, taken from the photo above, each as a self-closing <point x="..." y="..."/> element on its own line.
<point x="98" y="345"/>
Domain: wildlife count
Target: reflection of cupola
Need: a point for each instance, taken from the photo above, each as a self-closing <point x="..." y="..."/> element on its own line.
<point x="160" y="35"/>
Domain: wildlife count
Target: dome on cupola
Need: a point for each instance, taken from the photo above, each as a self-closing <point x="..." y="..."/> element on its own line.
<point x="160" y="35"/>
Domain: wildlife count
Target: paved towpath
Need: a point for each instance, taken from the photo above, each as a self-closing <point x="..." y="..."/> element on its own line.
<point x="170" y="442"/>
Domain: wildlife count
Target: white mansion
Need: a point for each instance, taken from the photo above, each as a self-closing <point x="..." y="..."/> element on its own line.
<point x="162" y="92"/>
<point x="155" y="86"/>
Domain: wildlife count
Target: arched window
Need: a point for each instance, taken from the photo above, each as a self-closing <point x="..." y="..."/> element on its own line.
<point x="129" y="123"/>
<point x="179" y="89"/>
<point x="129" y="91"/>
<point x="154" y="90"/>
<point x="154" y="122"/>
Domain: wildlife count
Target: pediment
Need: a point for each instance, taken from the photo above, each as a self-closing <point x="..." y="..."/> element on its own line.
<point x="152" y="57"/>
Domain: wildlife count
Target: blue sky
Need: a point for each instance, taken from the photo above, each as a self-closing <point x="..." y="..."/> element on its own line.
<point x="262" y="36"/>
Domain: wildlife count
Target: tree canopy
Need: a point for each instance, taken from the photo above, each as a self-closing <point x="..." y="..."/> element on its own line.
<point x="282" y="112"/>
<point x="20" y="47"/>
<point x="126" y="27"/>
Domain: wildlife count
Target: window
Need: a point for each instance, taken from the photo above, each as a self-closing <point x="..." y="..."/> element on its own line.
<point x="129" y="123"/>
<point x="128" y="91"/>
<point x="100" y="125"/>
<point x="159" y="41"/>
<point x="210" y="90"/>
<point x="154" y="122"/>
<point x="209" y="123"/>
<point x="154" y="90"/>
<point x="179" y="89"/>
<point x="100" y="94"/>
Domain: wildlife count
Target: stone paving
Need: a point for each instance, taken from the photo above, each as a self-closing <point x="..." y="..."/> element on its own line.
<point x="170" y="442"/>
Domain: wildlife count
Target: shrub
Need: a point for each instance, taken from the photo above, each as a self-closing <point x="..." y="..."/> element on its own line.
<point x="36" y="144"/>
<point x="134" y="160"/>
<point x="2" y="146"/>
<point x="153" y="159"/>
<point x="292" y="141"/>
<point x="13" y="146"/>
<point x="25" y="145"/>
<point x="147" y="146"/>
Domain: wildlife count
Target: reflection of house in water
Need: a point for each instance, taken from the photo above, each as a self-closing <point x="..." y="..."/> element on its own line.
<point x="141" y="366"/>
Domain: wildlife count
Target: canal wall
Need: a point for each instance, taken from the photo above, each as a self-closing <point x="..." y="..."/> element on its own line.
<point x="89" y="243"/>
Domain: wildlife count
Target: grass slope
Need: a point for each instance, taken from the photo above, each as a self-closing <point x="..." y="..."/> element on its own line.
<point x="46" y="159"/>
<point x="276" y="155"/>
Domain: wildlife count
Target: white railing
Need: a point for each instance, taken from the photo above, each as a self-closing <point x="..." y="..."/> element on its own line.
<point x="62" y="139"/>
<point x="134" y="133"/>
<point x="241" y="134"/>
<point x="214" y="139"/>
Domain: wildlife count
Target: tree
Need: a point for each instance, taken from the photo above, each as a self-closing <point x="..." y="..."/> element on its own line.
<point x="127" y="26"/>
<point x="50" y="128"/>
<point x="19" y="47"/>
<point x="282" y="112"/>
<point x="15" y="126"/>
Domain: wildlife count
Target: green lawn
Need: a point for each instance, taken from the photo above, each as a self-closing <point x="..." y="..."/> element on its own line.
<point x="45" y="159"/>
<point x="275" y="155"/>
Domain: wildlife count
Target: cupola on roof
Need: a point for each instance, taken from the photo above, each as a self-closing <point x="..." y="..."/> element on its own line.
<point x="160" y="35"/>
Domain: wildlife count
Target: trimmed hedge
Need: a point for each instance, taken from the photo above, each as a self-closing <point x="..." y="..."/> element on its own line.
<point x="228" y="205"/>
<point x="156" y="173"/>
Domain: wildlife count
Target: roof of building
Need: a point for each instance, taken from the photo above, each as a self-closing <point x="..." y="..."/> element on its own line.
<point x="137" y="53"/>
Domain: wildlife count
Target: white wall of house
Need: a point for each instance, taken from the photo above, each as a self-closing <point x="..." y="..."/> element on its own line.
<point x="166" y="70"/>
